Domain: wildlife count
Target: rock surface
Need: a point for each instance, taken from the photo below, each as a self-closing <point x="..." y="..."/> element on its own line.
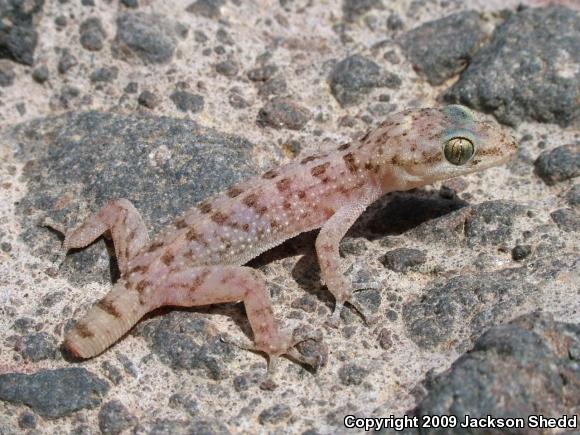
<point x="532" y="357"/>
<point x="509" y="77"/>
<point x="442" y="48"/>
<point x="54" y="393"/>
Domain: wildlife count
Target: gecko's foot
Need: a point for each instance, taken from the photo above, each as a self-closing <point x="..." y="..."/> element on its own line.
<point x="287" y="343"/>
<point x="368" y="317"/>
<point x="60" y="228"/>
<point x="299" y="336"/>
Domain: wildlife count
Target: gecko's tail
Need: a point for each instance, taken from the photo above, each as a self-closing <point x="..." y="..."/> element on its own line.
<point x="105" y="323"/>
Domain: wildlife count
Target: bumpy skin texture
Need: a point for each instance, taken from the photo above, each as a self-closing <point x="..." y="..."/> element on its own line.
<point x="198" y="259"/>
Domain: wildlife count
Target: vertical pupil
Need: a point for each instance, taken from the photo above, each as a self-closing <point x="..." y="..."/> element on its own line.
<point x="458" y="150"/>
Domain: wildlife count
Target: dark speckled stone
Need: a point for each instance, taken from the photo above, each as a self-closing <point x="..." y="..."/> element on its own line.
<point x="402" y="259"/>
<point x="442" y="48"/>
<point x="150" y="37"/>
<point x="275" y="414"/>
<point x="455" y="309"/>
<point x="184" y="341"/>
<point x="527" y="367"/>
<point x="94" y="157"/>
<point x="559" y="164"/>
<point x="54" y="393"/>
<point x="37" y="346"/>
<point x="510" y="78"/>
<point x="114" y="418"/>
<point x="355" y="76"/>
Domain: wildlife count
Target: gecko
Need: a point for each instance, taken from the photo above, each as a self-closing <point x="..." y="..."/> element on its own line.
<point x="199" y="258"/>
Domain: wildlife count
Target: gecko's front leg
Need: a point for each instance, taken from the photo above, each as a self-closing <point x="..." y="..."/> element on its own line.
<point x="327" y="251"/>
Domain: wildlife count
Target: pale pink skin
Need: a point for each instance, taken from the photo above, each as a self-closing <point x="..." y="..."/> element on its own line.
<point x="198" y="259"/>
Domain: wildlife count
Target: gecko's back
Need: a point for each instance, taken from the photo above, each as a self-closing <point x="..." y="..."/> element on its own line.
<point x="404" y="152"/>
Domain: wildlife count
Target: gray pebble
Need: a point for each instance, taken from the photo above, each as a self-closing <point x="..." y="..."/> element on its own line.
<point x="559" y="164"/>
<point x="92" y="34"/>
<point x="283" y="113"/>
<point x="187" y="102"/>
<point x="114" y="418"/>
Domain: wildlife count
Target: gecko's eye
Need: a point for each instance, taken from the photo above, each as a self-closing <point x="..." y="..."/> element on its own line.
<point x="458" y="150"/>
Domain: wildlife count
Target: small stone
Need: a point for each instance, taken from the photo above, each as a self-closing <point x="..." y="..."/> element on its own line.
<point x="352" y="374"/>
<point x="24" y="325"/>
<point x="237" y="101"/>
<point x="183" y="342"/>
<point x="224" y="37"/>
<point x="66" y="61"/>
<point x="40" y="74"/>
<point x="262" y="73"/>
<point x="352" y="9"/>
<point x="573" y="196"/>
<point x="132" y="87"/>
<point x="187" y="403"/>
<point x="112" y="373"/>
<point x="306" y="303"/>
<point x="395" y="23"/>
<point x="562" y="163"/>
<point x="88" y="2"/>
<point x="60" y="22"/>
<point x="27" y="420"/>
<point x="206" y="8"/>
<point x="385" y="339"/>
<point x="519" y="252"/>
<point x="275" y="414"/>
<point x="244" y="381"/>
<point x="227" y="68"/>
<point x="283" y="113"/>
<point x="509" y="77"/>
<point x="65" y="98"/>
<point x="355" y="76"/>
<point x="92" y="34"/>
<point x="132" y="4"/>
<point x="442" y="48"/>
<point x="54" y="393"/>
<point x="199" y="36"/>
<point x="19" y="44"/>
<point x="37" y="347"/>
<point x="402" y="259"/>
<point x="151" y="37"/>
<point x="187" y="102"/>
<point x="104" y="74"/>
<point x="392" y="56"/>
<point x="52" y="298"/>
<point x="148" y="99"/>
<point x="276" y="86"/>
<point x="566" y="219"/>
<point x="6" y="247"/>
<point x="7" y="74"/>
<point x="114" y="418"/>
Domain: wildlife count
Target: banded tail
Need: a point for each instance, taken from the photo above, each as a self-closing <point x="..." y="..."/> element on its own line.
<point x="107" y="321"/>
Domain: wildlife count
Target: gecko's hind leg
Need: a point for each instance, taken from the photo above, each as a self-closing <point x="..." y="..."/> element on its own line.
<point x="120" y="218"/>
<point x="217" y="284"/>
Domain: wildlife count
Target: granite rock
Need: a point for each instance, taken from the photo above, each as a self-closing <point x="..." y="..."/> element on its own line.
<point x="509" y="78"/>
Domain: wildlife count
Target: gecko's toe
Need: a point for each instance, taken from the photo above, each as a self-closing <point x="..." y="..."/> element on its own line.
<point x="334" y="320"/>
<point x="240" y="343"/>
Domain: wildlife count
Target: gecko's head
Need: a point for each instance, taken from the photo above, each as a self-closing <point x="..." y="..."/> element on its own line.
<point x="454" y="141"/>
